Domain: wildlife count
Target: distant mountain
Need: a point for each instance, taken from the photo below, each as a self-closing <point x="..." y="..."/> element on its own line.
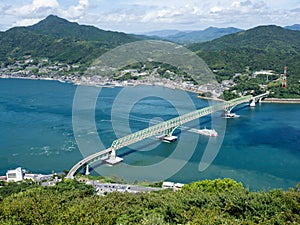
<point x="188" y="37"/>
<point x="262" y="37"/>
<point x="293" y="27"/>
<point x="263" y="47"/>
<point x="202" y="35"/>
<point x="58" y="39"/>
<point x="162" y="33"/>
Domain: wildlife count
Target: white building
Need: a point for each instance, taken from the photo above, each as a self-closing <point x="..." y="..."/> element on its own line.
<point x="172" y="185"/>
<point x="167" y="184"/>
<point x="178" y="186"/>
<point x="37" y="177"/>
<point x="15" y="175"/>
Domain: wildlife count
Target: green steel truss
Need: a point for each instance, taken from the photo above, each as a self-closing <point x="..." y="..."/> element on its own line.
<point x="167" y="127"/>
<point x="164" y="128"/>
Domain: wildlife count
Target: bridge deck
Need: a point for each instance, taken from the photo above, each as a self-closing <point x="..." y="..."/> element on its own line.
<point x="165" y="127"/>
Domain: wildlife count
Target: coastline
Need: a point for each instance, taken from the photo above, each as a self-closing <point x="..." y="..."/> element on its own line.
<point x="76" y="82"/>
<point x="105" y="83"/>
<point x="282" y="100"/>
<point x="211" y="98"/>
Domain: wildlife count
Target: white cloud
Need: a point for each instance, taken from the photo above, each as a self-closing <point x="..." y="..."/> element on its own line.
<point x="35" y="8"/>
<point x="75" y="11"/>
<point x="27" y="22"/>
<point x="216" y="9"/>
<point x="143" y="15"/>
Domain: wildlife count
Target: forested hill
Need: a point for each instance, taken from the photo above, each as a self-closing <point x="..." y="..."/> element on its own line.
<point x="58" y="39"/>
<point x="61" y="28"/>
<point x="263" y="47"/>
<point x="204" y="202"/>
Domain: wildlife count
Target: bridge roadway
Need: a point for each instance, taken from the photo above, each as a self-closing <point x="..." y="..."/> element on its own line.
<point x="163" y="128"/>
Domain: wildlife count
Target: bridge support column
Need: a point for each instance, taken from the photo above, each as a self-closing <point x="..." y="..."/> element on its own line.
<point x="113" y="155"/>
<point x="113" y="159"/>
<point x="227" y="111"/>
<point x="87" y="170"/>
<point x="252" y="103"/>
<point x="170" y="131"/>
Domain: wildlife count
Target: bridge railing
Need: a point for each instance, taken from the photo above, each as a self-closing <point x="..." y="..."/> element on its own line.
<point x="157" y="129"/>
<point x="175" y="122"/>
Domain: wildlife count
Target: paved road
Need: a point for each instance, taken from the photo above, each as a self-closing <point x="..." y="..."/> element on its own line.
<point x="108" y="187"/>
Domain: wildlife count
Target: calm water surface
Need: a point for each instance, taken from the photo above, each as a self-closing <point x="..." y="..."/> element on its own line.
<point x="261" y="148"/>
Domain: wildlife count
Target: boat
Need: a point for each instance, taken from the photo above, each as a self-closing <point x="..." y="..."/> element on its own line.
<point x="167" y="139"/>
<point x="230" y="115"/>
<point x="208" y="132"/>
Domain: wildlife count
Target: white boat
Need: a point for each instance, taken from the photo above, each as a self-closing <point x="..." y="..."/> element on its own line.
<point x="167" y="139"/>
<point x="230" y="115"/>
<point x="208" y="132"/>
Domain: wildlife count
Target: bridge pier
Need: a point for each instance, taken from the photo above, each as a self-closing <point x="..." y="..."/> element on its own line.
<point x="113" y="159"/>
<point x="87" y="170"/>
<point x="113" y="155"/>
<point x="252" y="103"/>
<point x="169" y="132"/>
<point x="158" y="129"/>
<point x="227" y="111"/>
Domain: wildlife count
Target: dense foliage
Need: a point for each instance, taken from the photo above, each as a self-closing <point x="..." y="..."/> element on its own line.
<point x="58" y="40"/>
<point x="260" y="48"/>
<point x="244" y="52"/>
<point x="204" y="202"/>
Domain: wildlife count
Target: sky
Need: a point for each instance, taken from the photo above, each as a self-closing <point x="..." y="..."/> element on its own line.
<point x="139" y="16"/>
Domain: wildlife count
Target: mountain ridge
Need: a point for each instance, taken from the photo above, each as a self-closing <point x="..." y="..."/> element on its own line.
<point x="62" y="28"/>
<point x="261" y="48"/>
<point x="260" y="36"/>
<point x="193" y="36"/>
<point x="59" y="40"/>
<point x="293" y="27"/>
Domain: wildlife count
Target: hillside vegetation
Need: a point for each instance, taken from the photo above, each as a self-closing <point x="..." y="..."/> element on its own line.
<point x="204" y="202"/>
<point x="265" y="47"/>
<point x="58" y="40"/>
<point x="233" y="57"/>
<point x="260" y="48"/>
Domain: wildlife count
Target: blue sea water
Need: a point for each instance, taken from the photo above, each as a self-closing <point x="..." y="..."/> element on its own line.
<point x="261" y="149"/>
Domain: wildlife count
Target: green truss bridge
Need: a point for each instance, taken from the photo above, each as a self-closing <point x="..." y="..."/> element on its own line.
<point x="165" y="128"/>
